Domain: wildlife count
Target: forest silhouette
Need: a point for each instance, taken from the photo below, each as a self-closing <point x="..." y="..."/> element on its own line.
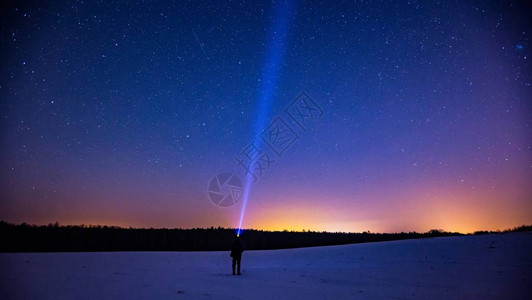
<point x="57" y="238"/>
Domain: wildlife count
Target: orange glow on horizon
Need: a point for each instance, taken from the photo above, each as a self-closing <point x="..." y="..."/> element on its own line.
<point x="448" y="208"/>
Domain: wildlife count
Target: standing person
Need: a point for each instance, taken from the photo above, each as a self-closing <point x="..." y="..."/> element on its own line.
<point x="236" y="254"/>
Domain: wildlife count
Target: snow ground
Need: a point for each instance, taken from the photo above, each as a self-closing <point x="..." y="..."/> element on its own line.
<point x="469" y="267"/>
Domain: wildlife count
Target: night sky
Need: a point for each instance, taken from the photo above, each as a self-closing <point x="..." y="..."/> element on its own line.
<point x="121" y="113"/>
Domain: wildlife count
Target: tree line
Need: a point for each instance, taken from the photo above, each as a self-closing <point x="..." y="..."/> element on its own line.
<point x="57" y="238"/>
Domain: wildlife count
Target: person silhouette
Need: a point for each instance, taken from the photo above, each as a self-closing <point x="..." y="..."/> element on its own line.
<point x="236" y="254"/>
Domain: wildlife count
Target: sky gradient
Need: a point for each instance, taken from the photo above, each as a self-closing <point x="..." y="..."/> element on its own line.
<point x="121" y="112"/>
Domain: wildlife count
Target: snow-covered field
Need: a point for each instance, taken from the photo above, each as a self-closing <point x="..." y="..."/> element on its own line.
<point x="469" y="267"/>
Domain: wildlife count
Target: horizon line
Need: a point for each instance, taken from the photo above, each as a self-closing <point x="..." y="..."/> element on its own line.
<point x="57" y="224"/>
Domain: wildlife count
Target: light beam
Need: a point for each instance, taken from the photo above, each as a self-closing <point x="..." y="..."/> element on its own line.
<point x="268" y="81"/>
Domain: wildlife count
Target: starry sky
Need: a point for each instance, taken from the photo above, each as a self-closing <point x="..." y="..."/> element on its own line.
<point x="121" y="112"/>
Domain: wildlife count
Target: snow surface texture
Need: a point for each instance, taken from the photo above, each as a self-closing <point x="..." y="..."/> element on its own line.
<point x="470" y="267"/>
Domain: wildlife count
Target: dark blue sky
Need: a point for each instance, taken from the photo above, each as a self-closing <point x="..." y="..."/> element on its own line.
<point x="120" y="112"/>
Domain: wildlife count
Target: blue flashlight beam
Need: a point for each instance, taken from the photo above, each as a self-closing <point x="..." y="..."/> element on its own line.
<point x="268" y="83"/>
